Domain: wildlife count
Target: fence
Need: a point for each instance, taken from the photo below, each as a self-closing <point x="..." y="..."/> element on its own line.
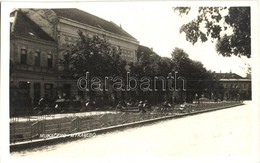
<point x="40" y="129"/>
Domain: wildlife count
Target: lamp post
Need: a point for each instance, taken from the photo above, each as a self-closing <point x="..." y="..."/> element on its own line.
<point x="175" y="80"/>
<point x="127" y="68"/>
<point x="175" y="87"/>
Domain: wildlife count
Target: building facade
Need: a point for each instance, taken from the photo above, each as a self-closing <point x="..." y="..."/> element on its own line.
<point x="235" y="86"/>
<point x="63" y="24"/>
<point x="33" y="60"/>
<point x="38" y="40"/>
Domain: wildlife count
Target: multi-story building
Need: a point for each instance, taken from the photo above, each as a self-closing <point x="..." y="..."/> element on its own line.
<point x="234" y="86"/>
<point x="63" y="24"/>
<point x="33" y="57"/>
<point x="38" y="40"/>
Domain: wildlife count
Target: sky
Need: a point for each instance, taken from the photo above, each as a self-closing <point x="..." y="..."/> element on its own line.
<point x="156" y="25"/>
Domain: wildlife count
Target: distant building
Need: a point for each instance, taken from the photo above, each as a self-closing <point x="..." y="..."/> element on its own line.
<point x="235" y="86"/>
<point x="38" y="40"/>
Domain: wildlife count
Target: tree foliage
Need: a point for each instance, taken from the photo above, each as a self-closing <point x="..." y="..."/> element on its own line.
<point x="147" y="64"/>
<point x="198" y="79"/>
<point x="94" y="55"/>
<point x="150" y="64"/>
<point x="212" y="23"/>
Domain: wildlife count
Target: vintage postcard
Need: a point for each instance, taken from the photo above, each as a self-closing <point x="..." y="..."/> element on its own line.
<point x="147" y="80"/>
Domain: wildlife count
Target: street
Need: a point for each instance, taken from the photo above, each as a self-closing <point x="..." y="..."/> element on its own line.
<point x="136" y="80"/>
<point x="223" y="133"/>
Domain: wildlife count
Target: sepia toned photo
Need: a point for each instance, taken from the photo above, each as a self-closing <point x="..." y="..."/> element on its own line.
<point x="131" y="79"/>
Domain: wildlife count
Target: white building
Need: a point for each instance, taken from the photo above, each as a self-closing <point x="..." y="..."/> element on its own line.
<point x="38" y="39"/>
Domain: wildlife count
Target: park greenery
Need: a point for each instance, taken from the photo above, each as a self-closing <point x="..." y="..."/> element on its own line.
<point x="94" y="54"/>
<point x="228" y="26"/>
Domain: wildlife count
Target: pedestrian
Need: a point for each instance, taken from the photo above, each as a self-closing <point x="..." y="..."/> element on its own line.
<point x="140" y="106"/>
<point x="238" y="97"/>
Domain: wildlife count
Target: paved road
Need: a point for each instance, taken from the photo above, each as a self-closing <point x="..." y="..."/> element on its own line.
<point x="223" y="134"/>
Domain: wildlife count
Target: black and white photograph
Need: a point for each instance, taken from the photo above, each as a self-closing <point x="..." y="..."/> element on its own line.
<point x="146" y="80"/>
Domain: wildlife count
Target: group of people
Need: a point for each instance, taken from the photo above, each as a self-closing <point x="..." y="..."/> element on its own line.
<point x="143" y="106"/>
<point x="45" y="105"/>
<point x="48" y="105"/>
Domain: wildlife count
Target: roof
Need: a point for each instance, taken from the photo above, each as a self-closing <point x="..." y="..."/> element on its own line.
<point x="23" y="26"/>
<point x="227" y="76"/>
<point x="235" y="80"/>
<point x="144" y="50"/>
<point x="92" y="20"/>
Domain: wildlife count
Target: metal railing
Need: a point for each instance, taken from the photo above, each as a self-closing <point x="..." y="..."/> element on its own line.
<point x="29" y="130"/>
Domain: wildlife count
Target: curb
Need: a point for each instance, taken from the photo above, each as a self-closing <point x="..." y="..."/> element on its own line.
<point x="79" y="135"/>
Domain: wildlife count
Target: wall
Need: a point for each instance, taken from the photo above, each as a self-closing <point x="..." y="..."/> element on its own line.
<point x="67" y="34"/>
<point x="30" y="73"/>
<point x="65" y="31"/>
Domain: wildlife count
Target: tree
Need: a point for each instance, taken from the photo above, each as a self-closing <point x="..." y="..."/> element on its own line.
<point x="148" y="65"/>
<point x="94" y="55"/>
<point x="198" y="79"/>
<point x="212" y="22"/>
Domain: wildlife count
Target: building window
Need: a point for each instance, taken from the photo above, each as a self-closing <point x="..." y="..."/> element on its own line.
<point x="23" y="56"/>
<point x="24" y="94"/>
<point x="66" y="38"/>
<point x="37" y="59"/>
<point x="66" y="91"/>
<point x="36" y="93"/>
<point x="50" y="60"/>
<point x="48" y="90"/>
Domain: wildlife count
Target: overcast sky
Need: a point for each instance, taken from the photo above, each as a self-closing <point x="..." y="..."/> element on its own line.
<point x="156" y="25"/>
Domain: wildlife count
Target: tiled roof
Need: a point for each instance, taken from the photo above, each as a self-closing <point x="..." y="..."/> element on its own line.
<point x="227" y="76"/>
<point x="92" y="20"/>
<point x="242" y="80"/>
<point x="23" y="26"/>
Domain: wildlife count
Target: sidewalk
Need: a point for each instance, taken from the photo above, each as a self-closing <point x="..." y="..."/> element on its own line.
<point x="57" y="116"/>
<point x="105" y="125"/>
